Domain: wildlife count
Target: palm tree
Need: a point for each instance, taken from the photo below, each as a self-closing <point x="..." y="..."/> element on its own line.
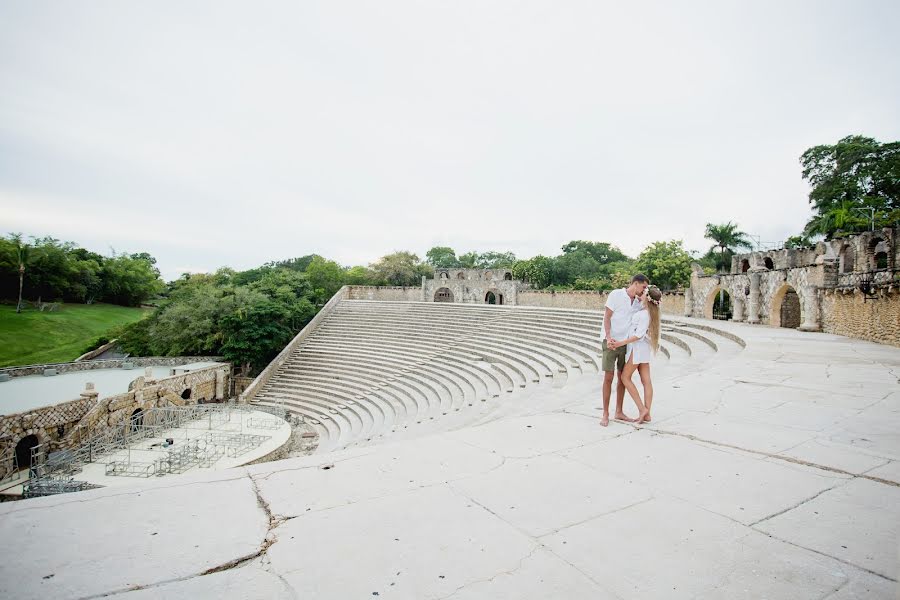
<point x="727" y="238"/>
<point x="22" y="252"/>
<point x="842" y="218"/>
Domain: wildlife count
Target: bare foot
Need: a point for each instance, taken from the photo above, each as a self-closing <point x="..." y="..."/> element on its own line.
<point x="647" y="418"/>
<point x="644" y="417"/>
<point x="623" y="417"/>
<point x="604" y="420"/>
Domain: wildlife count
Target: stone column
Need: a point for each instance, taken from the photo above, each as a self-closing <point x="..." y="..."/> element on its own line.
<point x="89" y="392"/>
<point x="423" y="288"/>
<point x="738" y="312"/>
<point x="220" y="385"/>
<point x="811" y="312"/>
<point x="753" y="304"/>
<point x="688" y="302"/>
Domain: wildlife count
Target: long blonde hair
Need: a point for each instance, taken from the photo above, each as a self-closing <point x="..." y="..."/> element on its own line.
<point x="654" y="297"/>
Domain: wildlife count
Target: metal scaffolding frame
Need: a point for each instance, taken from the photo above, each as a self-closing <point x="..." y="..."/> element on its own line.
<point x="153" y="443"/>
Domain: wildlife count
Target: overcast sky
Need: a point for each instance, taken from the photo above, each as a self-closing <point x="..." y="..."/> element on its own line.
<point x="220" y="133"/>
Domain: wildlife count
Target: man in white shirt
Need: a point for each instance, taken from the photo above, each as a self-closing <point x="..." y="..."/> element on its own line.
<point x="620" y="305"/>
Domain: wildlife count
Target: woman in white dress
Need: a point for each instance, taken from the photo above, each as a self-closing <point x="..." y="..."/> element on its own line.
<point x="642" y="345"/>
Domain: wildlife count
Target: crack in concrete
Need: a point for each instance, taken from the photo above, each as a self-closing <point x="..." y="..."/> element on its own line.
<point x="269" y="539"/>
<point x="820" y="553"/>
<point x="780" y="457"/>
<point x="137" y="492"/>
<point x="799" y="504"/>
<point x="490" y="579"/>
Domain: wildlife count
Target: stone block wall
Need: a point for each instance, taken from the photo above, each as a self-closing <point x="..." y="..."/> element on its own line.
<point x="114" y="363"/>
<point x="845" y="313"/>
<point x="373" y="292"/>
<point x="672" y="304"/>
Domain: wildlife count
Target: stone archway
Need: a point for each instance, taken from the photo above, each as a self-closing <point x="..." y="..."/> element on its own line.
<point x="745" y="265"/>
<point x="443" y="295"/>
<point x="711" y="299"/>
<point x="787" y="309"/>
<point x="722" y="306"/>
<point x="769" y="263"/>
<point x="490" y="298"/>
<point x="23" y="452"/>
<point x="507" y="276"/>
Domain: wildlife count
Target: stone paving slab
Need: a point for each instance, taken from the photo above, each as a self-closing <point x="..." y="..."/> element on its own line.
<point x="730" y="483"/>
<point x="704" y="556"/>
<point x="419" y="544"/>
<point x="733" y="491"/>
<point x="855" y="522"/>
<point x="116" y="541"/>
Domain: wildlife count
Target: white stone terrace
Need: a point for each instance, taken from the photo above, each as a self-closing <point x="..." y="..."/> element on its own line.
<point x="771" y="471"/>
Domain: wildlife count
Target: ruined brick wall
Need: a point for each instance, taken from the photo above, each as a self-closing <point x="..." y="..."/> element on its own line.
<point x="113" y="363"/>
<point x="845" y="313"/>
<point x="66" y="424"/>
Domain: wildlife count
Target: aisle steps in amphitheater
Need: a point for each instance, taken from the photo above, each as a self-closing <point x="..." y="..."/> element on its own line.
<point x="371" y="369"/>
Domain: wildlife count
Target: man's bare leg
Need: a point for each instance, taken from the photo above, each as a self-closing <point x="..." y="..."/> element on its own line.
<point x="620" y="401"/>
<point x="607" y="392"/>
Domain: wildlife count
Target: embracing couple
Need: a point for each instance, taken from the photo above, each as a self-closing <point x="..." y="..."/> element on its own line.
<point x="630" y="339"/>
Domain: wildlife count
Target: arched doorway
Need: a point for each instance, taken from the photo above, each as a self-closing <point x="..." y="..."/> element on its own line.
<point x="745" y="265"/>
<point x="137" y="419"/>
<point x="878" y="254"/>
<point x="847" y="262"/>
<point x="722" y="309"/>
<point x="23" y="452"/>
<point x="787" y="310"/>
<point x="770" y="264"/>
<point x="508" y="276"/>
<point x="490" y="298"/>
<point x="718" y="301"/>
<point x="186" y="394"/>
<point x="443" y="295"/>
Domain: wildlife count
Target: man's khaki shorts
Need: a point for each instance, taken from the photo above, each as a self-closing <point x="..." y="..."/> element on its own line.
<point x="614" y="360"/>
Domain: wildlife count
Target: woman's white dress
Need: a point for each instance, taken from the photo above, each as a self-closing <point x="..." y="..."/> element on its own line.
<point x="640" y="350"/>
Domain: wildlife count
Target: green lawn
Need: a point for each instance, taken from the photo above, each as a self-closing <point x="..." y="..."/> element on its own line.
<point x="33" y="337"/>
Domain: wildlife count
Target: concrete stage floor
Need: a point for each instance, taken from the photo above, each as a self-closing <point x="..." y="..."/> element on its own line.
<point x="768" y="472"/>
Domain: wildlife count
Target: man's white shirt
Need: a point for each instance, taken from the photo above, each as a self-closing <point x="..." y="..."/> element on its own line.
<point x="623" y="308"/>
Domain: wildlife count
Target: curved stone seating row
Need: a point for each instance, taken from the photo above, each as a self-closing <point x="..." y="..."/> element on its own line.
<point x="371" y="368"/>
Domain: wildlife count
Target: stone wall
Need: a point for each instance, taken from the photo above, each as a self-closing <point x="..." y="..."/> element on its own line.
<point x="845" y="313"/>
<point x="114" y="363"/>
<point x="373" y="292"/>
<point x="67" y="424"/>
<point x="672" y="304"/>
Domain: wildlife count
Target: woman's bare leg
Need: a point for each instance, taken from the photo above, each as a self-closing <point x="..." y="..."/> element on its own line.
<point x="644" y="372"/>
<point x="632" y="390"/>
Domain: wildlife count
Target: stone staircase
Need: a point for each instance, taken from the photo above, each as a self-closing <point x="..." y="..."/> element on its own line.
<point x="369" y="369"/>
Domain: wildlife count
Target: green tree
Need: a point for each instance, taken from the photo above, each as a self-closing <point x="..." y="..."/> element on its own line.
<point x="325" y="277"/>
<point x="495" y="260"/>
<point x="442" y="257"/>
<point x="254" y="333"/>
<point x="537" y="271"/>
<point x="469" y="260"/>
<point x="22" y="251"/>
<point x="602" y="252"/>
<point x="727" y="238"/>
<point x="667" y="264"/>
<point x="401" y="268"/>
<point x="852" y="182"/>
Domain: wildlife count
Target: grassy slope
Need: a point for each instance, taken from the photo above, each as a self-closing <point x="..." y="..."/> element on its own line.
<point x="34" y="337"/>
